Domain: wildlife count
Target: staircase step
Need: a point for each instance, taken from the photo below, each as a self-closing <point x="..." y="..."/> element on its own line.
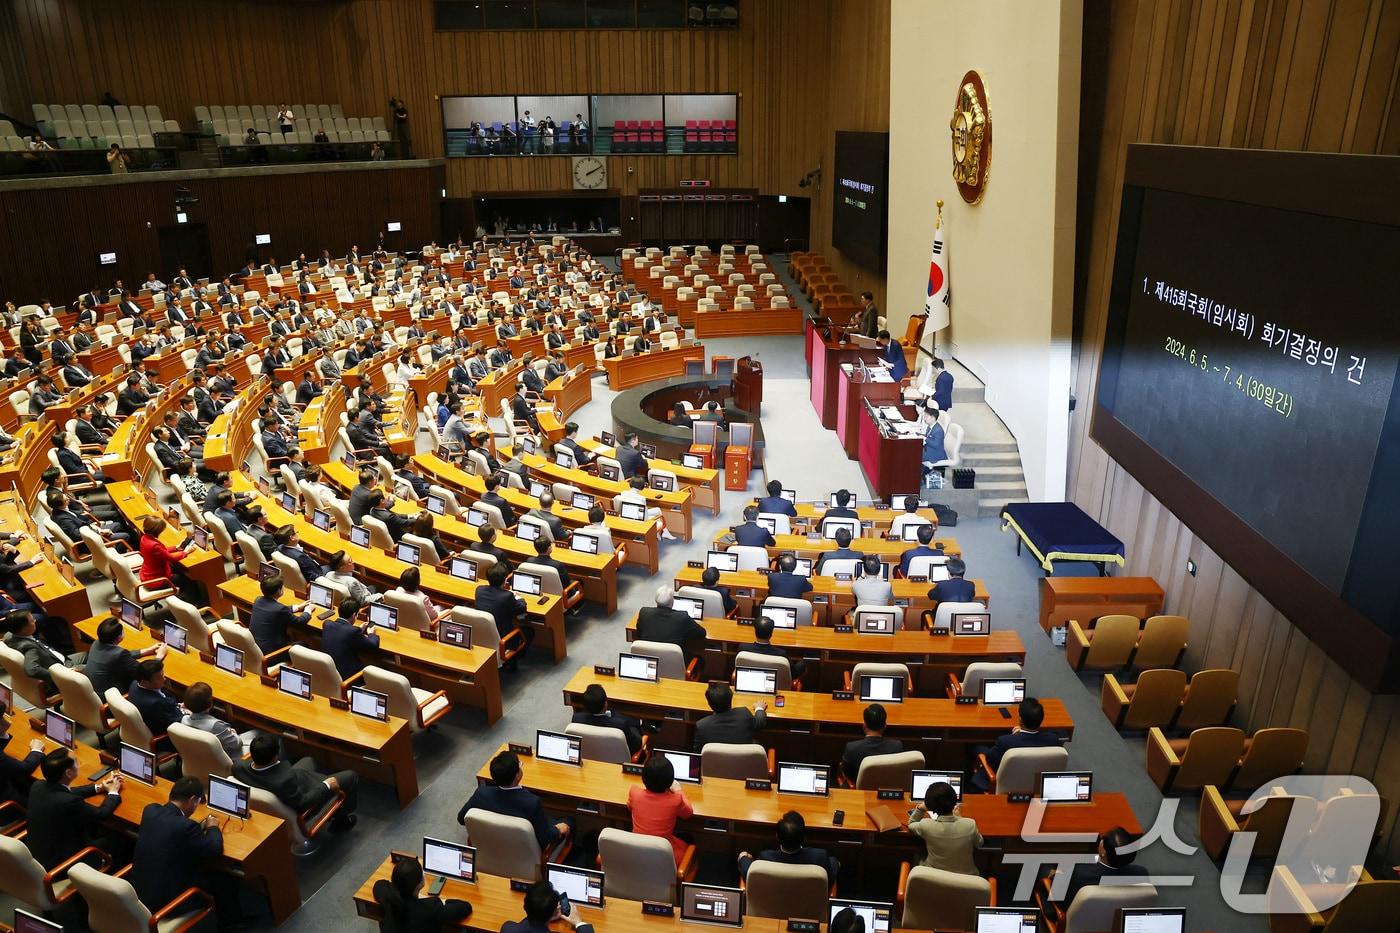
<point x="993" y="447"/>
<point x="990" y="458"/>
<point x="998" y="474"/>
<point x="991" y="508"/>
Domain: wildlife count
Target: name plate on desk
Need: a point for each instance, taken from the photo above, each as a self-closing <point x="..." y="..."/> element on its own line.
<point x="631" y="768"/>
<point x="524" y="751"/>
<point x="657" y="909"/>
<point x="917" y="578"/>
<point x="745" y="621"/>
<point x="765" y="570"/>
<point x="844" y="695"/>
<point x="966" y="701"/>
<point x="889" y="793"/>
<point x="1018" y="798"/>
<point x="881" y="507"/>
<point x="841" y="577"/>
<point x="337" y="703"/>
<point x="695" y="564"/>
<point x="267" y="681"/>
<point x="424" y="633"/>
<point x="804" y="926"/>
<point x="757" y="784"/>
<point x="939" y="631"/>
<point x="819" y="600"/>
<point x="604" y="671"/>
<point x="519" y="886"/>
<point x="843" y="629"/>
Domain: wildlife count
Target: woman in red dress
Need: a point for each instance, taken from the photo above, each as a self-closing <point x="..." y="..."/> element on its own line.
<point x="659" y="803"/>
<point x="161" y="562"/>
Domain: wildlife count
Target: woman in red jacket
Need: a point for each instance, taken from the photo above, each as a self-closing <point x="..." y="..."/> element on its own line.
<point x="659" y="803"/>
<point x="160" y="562"/>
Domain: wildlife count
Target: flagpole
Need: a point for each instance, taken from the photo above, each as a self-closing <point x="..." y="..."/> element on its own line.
<point x="929" y="345"/>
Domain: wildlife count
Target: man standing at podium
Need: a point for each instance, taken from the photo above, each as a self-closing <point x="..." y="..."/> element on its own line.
<point x="892" y="356"/>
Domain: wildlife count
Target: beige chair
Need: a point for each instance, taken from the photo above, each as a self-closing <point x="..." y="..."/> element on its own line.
<point x="427" y="551"/>
<point x="378" y="533"/>
<point x="601" y="743"/>
<point x="776" y="889"/>
<point x="778" y="664"/>
<point x="737" y="762"/>
<point x="934" y="899"/>
<point x="1208" y="756"/>
<point x="880" y="669"/>
<point x="201" y="753"/>
<point x="223" y="541"/>
<point x="238" y="636"/>
<point x="252" y="554"/>
<point x="1096" y="907"/>
<point x="412" y="613"/>
<point x="551" y="585"/>
<point x="305" y="827"/>
<point x="132" y="727"/>
<point x="1020" y="768"/>
<point x="643" y="868"/>
<point x="24" y="879"/>
<point x="1154" y="700"/>
<point x="1210" y="699"/>
<point x="803" y="607"/>
<point x="486" y="635"/>
<point x="34" y="692"/>
<point x="1107" y="646"/>
<point x="143" y="593"/>
<point x="1161" y="643"/>
<point x="325" y="679"/>
<point x="671" y="661"/>
<point x="81" y="703"/>
<point x="1269" y="754"/>
<point x="714" y="603"/>
<point x="506" y="845"/>
<point x="970" y="684"/>
<point x="943" y="617"/>
<point x="422" y="708"/>
<point x="750" y="557"/>
<point x="291" y="573"/>
<point x="893" y="770"/>
<point x="198" y="623"/>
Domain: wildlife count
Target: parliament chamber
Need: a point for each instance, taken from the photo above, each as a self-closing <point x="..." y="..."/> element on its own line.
<point x="555" y="485"/>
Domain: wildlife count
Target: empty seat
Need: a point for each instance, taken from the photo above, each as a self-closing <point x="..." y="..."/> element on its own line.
<point x="1153" y="701"/>
<point x="1108" y="645"/>
<point x="1269" y="754"/>
<point x="1207" y="756"/>
<point x="1209" y="699"/>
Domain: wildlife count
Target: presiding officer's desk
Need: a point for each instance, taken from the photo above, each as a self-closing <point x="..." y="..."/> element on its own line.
<point x="813" y="724"/>
<point x="831" y="654"/>
<point x="736" y="818"/>
<point x="258" y="848"/>
<point x="469" y="676"/>
<point x="830" y="598"/>
<point x="377" y="751"/>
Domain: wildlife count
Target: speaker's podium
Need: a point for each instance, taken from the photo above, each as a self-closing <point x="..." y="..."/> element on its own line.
<point x="748" y="386"/>
<point x="738" y="456"/>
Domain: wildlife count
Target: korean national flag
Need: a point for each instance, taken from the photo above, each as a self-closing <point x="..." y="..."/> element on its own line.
<point x="939" y="301"/>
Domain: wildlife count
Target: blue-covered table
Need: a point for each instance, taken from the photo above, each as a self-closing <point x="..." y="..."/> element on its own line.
<point x="1061" y="531"/>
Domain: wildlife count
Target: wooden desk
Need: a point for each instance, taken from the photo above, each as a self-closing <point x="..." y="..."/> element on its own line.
<point x="755" y="323"/>
<point x="891" y="464"/>
<point x="825" y="357"/>
<point x="100" y="360"/>
<point x="46" y="583"/>
<point x="803" y="546"/>
<point x="675" y="506"/>
<point x="204" y="566"/>
<point x="830" y="599"/>
<point x="880" y="517"/>
<point x="259" y="848"/>
<point x="850" y="393"/>
<point x="470" y="676"/>
<point x="567" y="394"/>
<point x="831" y="654"/>
<point x="378" y="751"/>
<point x="1085" y="598"/>
<point x="703" y="483"/>
<point x="813" y="724"/>
<point x="628" y="370"/>
<point x="497" y="386"/>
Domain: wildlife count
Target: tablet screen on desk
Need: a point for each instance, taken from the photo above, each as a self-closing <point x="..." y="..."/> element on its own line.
<point x="59" y="728"/>
<point x="295" y="682"/>
<point x="359" y="536"/>
<point x="1067" y="786"/>
<point x="28" y="923"/>
<point x="972" y="623"/>
<point x="526" y="584"/>
<point x="922" y="780"/>
<point x="790" y="495"/>
<point x="876" y="914"/>
<point x="794" y="778"/>
<point x="607" y="439"/>
<point x="436" y="504"/>
<point x="780" y="616"/>
<point x="692" y="461"/>
<point x="910" y="531"/>
<point x="321" y="596"/>
<point x="449" y="859"/>
<point x="584" y="544"/>
<point x="722" y="561"/>
<point x="877" y="622"/>
<point x="769" y="524"/>
<point x="755" y="680"/>
<point x="384" y="616"/>
<point x="878" y="688"/>
<point x="175" y="637"/>
<point x="136" y="763"/>
<point x="564" y="457"/>
<point x="455" y="633"/>
<point x="369" y="703"/>
<point x="408" y="553"/>
<point x="477" y="518"/>
<point x="648" y="451"/>
<point x="1003" y="692"/>
<point x="321" y="519"/>
<point x="638" y="667"/>
<point x="558" y="746"/>
<point x="228" y="796"/>
<point x="1143" y="920"/>
<point x="131" y="614"/>
<point x="200" y="536"/>
<point x="463" y="569"/>
<point x="633" y="511"/>
<point x="582" y="500"/>
<point x="707" y="903"/>
<point x="804" y="566"/>
<point x="227" y="658"/>
<point x="527" y="531"/>
<point x="288" y="502"/>
<point x="695" y="608"/>
<point x="582" y="885"/>
<point x="663" y="483"/>
<point x="1007" y="920"/>
<point x="686" y="764"/>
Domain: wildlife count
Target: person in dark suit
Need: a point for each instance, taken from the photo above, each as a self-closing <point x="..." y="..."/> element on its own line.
<point x="843" y="550"/>
<point x="298" y="786"/>
<point x="763" y="644"/>
<point x="774" y="503"/>
<point x="679" y="417"/>
<point x="111" y="665"/>
<point x="505" y="796"/>
<point x="16" y="774"/>
<point x="492" y="497"/>
<point x="942" y="386"/>
<point x="543" y="549"/>
<point x="271" y="619"/>
<point x="581" y="455"/>
<point x="403" y="907"/>
<point x="873" y="743"/>
<point x="728" y="723"/>
<point x="60" y="823"/>
<point x="630" y="458"/>
<point x="1026" y="735"/>
<point x="954" y="589"/>
<point x="343" y="639"/>
<point x="842" y="509"/>
<point x="923" y="549"/>
<point x="504" y="606"/>
<point x="595" y="712"/>
<point x="662" y="623"/>
<point x="792" y="849"/>
<point x="522" y="410"/>
<point x="289" y="545"/>
<point x="158" y="709"/>
<point x="709" y="580"/>
<point x="541" y="909"/>
<point x="309" y="388"/>
<point x="785" y="582"/>
<point x="869" y="316"/>
<point x="751" y="533"/>
<point x="174" y="853"/>
<point x="1112" y="862"/>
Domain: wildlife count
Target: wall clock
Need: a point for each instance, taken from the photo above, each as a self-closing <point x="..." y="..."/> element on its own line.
<point x="590" y="172"/>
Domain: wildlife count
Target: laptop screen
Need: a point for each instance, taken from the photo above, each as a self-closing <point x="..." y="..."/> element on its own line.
<point x="638" y="667"/>
<point x="228" y="796"/>
<point x="359" y="536"/>
<point x="59" y="728"/>
<point x="583" y="544"/>
<point x="633" y="511"/>
<point x="789" y="494"/>
<point x="175" y="637"/>
<point x="536" y="488"/>
<point x="408" y="553"/>
<point x="803" y="568"/>
<point x="463" y="569"/>
<point x="369" y="703"/>
<point x="1007" y="920"/>
<point x="321" y="596"/>
<point x="1067" y="786"/>
<point x="1148" y="920"/>
<point x="722" y="560"/>
<point x="686" y="765"/>
<point x="706" y="903"/>
<point x="138" y="764"/>
<point x="878" y="688"/>
<point x="436" y="504"/>
<point x="972" y="623"/>
<point x="297" y="683"/>
<point x="384" y="616"/>
<point x="131" y="614"/>
<point x="695" y="608"/>
<point x="922" y="779"/>
<point x="449" y="859"/>
<point x="794" y="778"/>
<point x="781" y="616"/>
<point x="321" y="519"/>
<point x="877" y="622"/>
<point x="582" y="885"/>
<point x="876" y="914"/>
<point x="910" y="532"/>
<point x="1003" y="692"/>
<point x="558" y="746"/>
<point x="755" y="680"/>
<point x="227" y="658"/>
<point x="527" y="584"/>
<point x="455" y="633"/>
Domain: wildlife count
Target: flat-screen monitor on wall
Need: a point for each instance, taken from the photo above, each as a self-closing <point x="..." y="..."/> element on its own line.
<point x="1248" y="377"/>
<point x="106" y="259"/>
<point x="859" y="197"/>
<point x="262" y="239"/>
